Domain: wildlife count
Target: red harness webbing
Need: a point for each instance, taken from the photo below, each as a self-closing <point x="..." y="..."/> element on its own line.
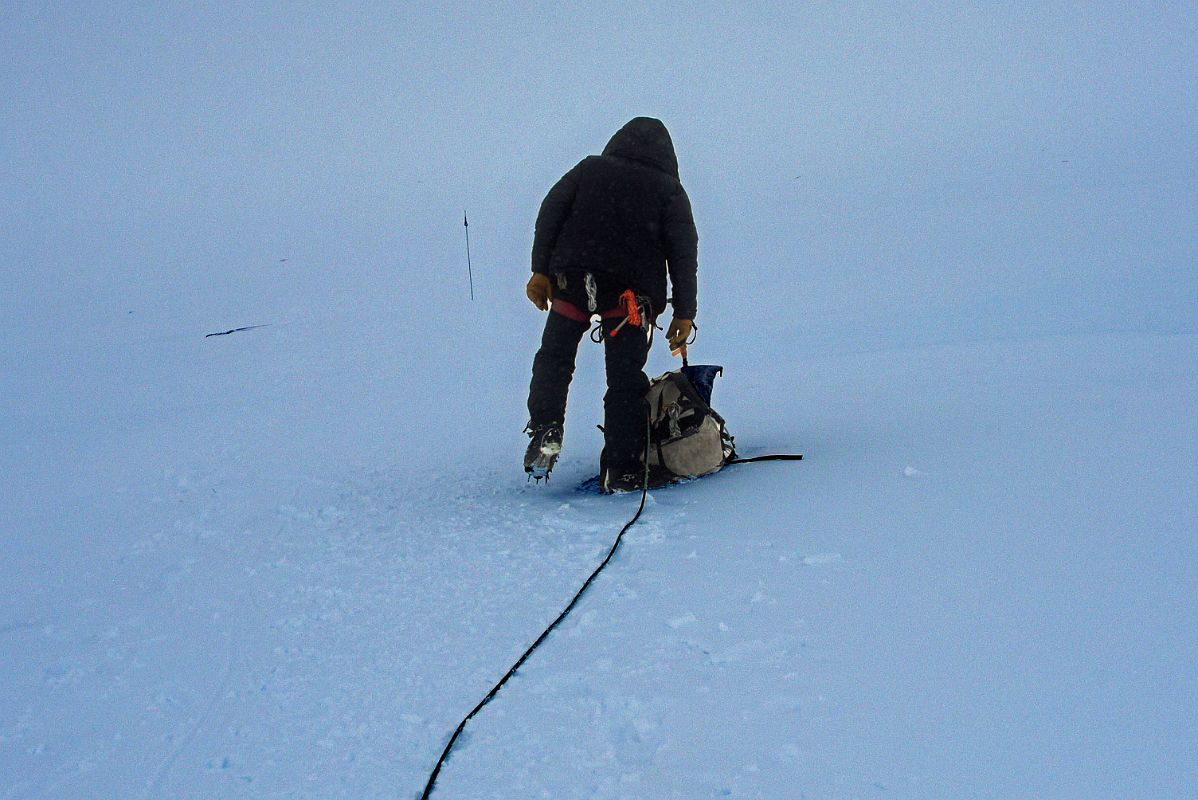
<point x="571" y="311"/>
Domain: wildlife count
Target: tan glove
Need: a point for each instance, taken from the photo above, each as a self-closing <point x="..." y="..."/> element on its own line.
<point x="539" y="291"/>
<point x="677" y="334"/>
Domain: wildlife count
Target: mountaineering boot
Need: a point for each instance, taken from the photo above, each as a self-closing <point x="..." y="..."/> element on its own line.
<point x="544" y="447"/>
<point x="612" y="480"/>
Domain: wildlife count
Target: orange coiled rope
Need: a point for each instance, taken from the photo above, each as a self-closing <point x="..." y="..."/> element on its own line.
<point x="631" y="309"/>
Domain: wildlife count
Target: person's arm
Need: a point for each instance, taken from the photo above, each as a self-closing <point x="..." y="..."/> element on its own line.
<point x="555" y="208"/>
<point x="682" y="255"/>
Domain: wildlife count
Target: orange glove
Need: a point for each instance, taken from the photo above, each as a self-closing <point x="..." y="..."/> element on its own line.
<point x="539" y="291"/>
<point x="677" y="334"/>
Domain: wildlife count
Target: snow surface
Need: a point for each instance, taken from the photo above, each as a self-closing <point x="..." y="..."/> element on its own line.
<point x="948" y="254"/>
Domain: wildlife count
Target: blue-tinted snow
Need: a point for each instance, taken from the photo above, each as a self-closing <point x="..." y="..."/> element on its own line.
<point x="947" y="253"/>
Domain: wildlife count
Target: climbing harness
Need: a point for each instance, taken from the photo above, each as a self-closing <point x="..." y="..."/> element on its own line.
<point x="571" y="311"/>
<point x="630" y="308"/>
<point x="635" y="309"/>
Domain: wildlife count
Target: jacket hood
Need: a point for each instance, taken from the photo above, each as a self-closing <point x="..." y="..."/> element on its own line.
<point x="645" y="140"/>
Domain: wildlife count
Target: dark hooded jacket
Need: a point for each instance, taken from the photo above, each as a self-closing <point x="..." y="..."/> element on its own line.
<point x="624" y="213"/>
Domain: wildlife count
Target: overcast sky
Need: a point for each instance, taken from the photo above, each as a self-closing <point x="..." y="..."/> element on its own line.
<point x="866" y="165"/>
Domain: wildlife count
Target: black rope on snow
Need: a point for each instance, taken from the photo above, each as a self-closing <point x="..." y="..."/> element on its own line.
<point x="777" y="457"/>
<point x="432" y="779"/>
<point x="236" y="330"/>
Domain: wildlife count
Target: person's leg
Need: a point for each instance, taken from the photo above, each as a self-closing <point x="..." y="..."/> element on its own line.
<point x="624" y="409"/>
<point x="553" y="369"/>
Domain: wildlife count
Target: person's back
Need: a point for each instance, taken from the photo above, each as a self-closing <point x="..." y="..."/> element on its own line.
<point x="615" y="224"/>
<point x="624" y="213"/>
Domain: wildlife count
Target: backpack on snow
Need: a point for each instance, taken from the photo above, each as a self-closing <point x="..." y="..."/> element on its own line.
<point x="687" y="438"/>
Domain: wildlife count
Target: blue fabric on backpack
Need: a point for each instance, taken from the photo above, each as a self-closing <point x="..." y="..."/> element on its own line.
<point x="702" y="377"/>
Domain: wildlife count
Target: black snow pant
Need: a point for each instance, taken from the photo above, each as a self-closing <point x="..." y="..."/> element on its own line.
<point x="624" y="406"/>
